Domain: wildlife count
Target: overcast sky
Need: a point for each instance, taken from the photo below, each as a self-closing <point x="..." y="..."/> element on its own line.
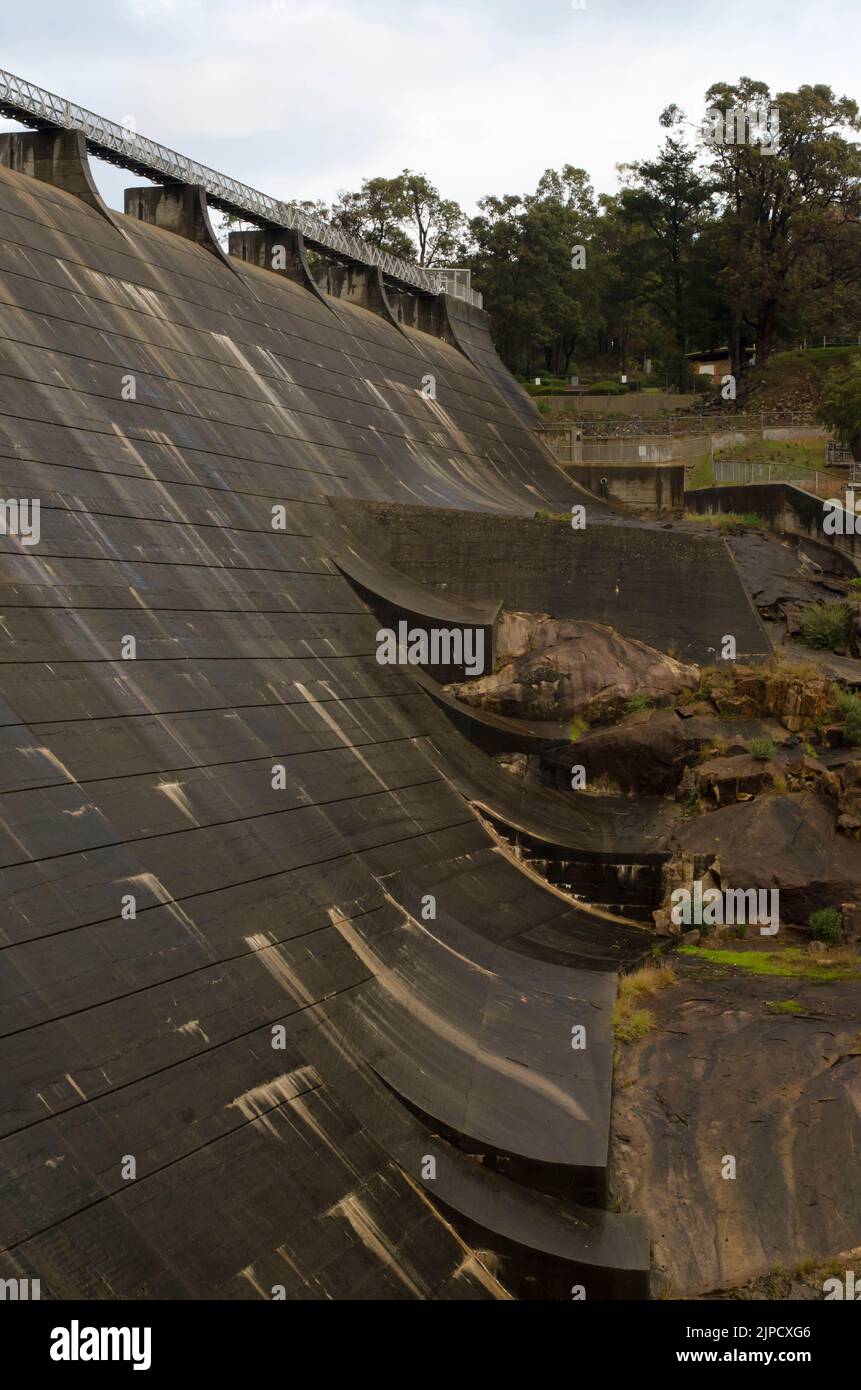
<point x="301" y="98"/>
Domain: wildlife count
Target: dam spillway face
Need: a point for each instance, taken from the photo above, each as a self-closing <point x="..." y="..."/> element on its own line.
<point x="280" y="1015"/>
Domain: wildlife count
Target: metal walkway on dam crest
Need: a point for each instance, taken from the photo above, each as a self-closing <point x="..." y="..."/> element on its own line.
<point x="24" y="101"/>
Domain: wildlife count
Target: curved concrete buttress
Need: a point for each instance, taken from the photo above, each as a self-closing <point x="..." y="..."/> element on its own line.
<point x="280" y="249"/>
<point x="57" y="157"/>
<point x="395" y="598"/>
<point x="526" y="1230"/>
<point x="177" y="207"/>
<point x="470" y="331"/>
<point x="493" y="733"/>
<point x="465" y="327"/>
<point x="426" y="312"/>
<point x="358" y="284"/>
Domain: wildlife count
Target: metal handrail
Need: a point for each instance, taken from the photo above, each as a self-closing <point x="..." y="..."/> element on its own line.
<point x="34" y="106"/>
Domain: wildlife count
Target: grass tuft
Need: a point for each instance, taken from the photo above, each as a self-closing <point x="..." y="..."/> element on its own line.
<point x="826" y="626"/>
<point x="728" y="523"/>
<point x="630" y="1019"/>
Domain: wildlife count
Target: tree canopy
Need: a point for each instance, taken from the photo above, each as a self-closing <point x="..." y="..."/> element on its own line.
<point x="735" y="241"/>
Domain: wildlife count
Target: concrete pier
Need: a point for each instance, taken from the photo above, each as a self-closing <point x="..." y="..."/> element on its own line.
<point x="57" y="157"/>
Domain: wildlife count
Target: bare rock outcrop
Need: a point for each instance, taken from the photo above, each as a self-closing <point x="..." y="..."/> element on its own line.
<point x="797" y="701"/>
<point x="786" y="842"/>
<point x="728" y="779"/>
<point x="723" y="1073"/>
<point x="553" y="669"/>
<point x="648" y="753"/>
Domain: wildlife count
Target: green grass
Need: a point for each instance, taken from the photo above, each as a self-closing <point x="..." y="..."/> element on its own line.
<point x="785" y="1006"/>
<point x="791" y="963"/>
<point x="848" y="706"/>
<point x="806" y="455"/>
<point x="728" y="523"/>
<point x="630" y="1019"/>
<point x="826" y="924"/>
<point x="577" y="729"/>
<point x="761" y="748"/>
<point x="638" y="702"/>
<point x="702" y="473"/>
<point x="633" y="1026"/>
<point x="826" y="626"/>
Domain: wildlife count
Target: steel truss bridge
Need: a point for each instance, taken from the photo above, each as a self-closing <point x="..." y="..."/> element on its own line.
<point x="34" y="106"/>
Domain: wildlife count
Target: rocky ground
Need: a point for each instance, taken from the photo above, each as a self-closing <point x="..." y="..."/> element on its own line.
<point x="737" y="1111"/>
<point x="764" y="1069"/>
<point x="552" y="669"/>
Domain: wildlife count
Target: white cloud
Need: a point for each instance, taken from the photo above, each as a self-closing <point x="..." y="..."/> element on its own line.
<point x="303" y="97"/>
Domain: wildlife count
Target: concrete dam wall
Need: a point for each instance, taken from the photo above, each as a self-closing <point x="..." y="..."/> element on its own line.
<point x="270" y="1015"/>
<point x="669" y="589"/>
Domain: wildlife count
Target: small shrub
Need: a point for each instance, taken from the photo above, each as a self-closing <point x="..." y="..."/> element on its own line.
<point x="761" y="748"/>
<point x="809" y="750"/>
<point x="637" y="702"/>
<point x="826" y="626"/>
<point x="578" y="728"/>
<point x="826" y="925"/>
<point x="607" y="388"/>
<point x="848" y="706"/>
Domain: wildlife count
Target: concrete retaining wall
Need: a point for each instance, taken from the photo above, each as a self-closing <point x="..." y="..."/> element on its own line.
<point x="789" y="510"/>
<point x="671" y="590"/>
<point x="658" y="485"/>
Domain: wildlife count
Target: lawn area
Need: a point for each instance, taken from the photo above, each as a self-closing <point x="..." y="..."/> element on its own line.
<point x="804" y="454"/>
<point x="798" y="460"/>
<point x="701" y="474"/>
<point x="789" y="963"/>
